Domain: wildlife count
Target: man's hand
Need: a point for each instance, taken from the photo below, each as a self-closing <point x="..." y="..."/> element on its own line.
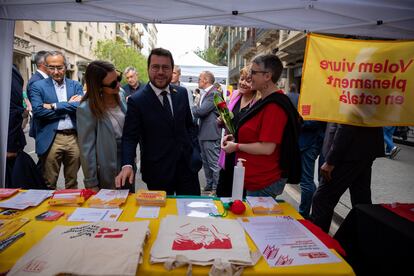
<point x="11" y="154"/>
<point x="220" y="122"/>
<point x="326" y="171"/>
<point x="47" y="106"/>
<point x="126" y="174"/>
<point x="75" y="98"/>
<point x="197" y="100"/>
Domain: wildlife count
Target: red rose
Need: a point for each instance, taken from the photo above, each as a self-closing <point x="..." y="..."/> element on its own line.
<point x="222" y="105"/>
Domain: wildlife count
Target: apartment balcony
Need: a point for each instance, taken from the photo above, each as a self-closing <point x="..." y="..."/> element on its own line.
<point x="234" y="73"/>
<point x="22" y="46"/>
<point x="266" y="37"/>
<point x="235" y="42"/>
<point x="248" y="48"/>
<point x="223" y="42"/>
<point x="292" y="49"/>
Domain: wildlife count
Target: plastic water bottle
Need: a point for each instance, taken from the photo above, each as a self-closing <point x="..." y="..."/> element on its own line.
<point x="238" y="180"/>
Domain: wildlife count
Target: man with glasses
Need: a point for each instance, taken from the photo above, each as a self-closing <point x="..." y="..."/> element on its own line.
<point x="54" y="102"/>
<point x="159" y="118"/>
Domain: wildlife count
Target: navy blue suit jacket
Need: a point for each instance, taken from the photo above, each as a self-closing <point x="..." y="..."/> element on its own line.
<point x="34" y="78"/>
<point x="164" y="141"/>
<point x="47" y="120"/>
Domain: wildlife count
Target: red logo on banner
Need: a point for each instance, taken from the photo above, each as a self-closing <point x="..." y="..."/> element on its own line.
<point x="306" y="109"/>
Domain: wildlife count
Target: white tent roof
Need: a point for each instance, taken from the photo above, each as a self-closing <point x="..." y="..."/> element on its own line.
<point x="192" y="65"/>
<point x="191" y="58"/>
<point x="376" y="18"/>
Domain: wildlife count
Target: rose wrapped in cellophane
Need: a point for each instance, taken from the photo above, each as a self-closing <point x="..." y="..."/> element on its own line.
<point x="225" y="114"/>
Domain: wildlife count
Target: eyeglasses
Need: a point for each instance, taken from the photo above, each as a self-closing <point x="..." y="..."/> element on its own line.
<point x="157" y="67"/>
<point x="53" y="68"/>
<point x="113" y="84"/>
<point x="254" y="72"/>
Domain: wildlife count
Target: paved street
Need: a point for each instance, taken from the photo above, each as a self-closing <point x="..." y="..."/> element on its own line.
<point x="392" y="181"/>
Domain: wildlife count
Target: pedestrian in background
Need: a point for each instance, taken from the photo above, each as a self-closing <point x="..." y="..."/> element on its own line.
<point x="209" y="133"/>
<point x="54" y="101"/>
<point x="349" y="152"/>
<point x="391" y="150"/>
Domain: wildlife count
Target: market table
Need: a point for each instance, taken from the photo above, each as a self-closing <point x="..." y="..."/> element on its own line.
<point x="36" y="230"/>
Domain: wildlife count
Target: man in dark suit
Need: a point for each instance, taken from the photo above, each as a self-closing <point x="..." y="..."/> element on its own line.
<point x="133" y="85"/>
<point x="54" y="102"/>
<point x="15" y="140"/>
<point x="349" y="152"/>
<point x="209" y="134"/>
<point x="40" y="74"/>
<point x="159" y="118"/>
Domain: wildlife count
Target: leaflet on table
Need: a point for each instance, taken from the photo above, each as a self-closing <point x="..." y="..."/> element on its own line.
<point x="193" y="207"/>
<point x="108" y="198"/>
<point x="283" y="241"/>
<point x="95" y="214"/>
<point x="148" y="212"/>
<point x="26" y="199"/>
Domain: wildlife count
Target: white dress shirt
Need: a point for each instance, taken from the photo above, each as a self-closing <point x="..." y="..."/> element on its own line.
<point x="42" y="73"/>
<point x="62" y="96"/>
<point x="205" y="93"/>
<point x="158" y="93"/>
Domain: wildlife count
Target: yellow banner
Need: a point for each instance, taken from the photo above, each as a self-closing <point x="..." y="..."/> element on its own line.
<point x="358" y="82"/>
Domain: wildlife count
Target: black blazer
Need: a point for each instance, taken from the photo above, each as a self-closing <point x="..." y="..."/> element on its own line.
<point x="163" y="140"/>
<point x="16" y="140"/>
<point x="346" y="143"/>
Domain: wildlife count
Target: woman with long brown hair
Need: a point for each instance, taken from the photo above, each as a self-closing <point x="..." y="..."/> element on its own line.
<point x="100" y="120"/>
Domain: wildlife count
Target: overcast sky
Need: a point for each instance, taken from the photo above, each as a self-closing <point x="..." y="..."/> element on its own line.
<point x="180" y="38"/>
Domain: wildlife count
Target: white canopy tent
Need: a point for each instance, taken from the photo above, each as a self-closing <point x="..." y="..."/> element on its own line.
<point x="192" y="65"/>
<point x="376" y="18"/>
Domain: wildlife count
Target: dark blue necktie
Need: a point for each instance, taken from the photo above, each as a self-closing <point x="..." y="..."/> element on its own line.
<point x="166" y="103"/>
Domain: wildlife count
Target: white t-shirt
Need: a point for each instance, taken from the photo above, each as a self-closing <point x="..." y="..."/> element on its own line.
<point x="117" y="118"/>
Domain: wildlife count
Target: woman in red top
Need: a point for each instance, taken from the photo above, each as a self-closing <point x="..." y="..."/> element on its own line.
<point x="259" y="137"/>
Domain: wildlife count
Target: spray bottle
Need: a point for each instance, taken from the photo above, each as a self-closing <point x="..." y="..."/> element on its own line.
<point x="238" y="180"/>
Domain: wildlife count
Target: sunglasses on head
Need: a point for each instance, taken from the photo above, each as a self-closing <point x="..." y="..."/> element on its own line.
<point x="113" y="84"/>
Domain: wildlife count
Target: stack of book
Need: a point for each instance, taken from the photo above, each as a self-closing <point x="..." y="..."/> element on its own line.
<point x="151" y="198"/>
<point x="264" y="205"/>
<point x="108" y="199"/>
<point x="70" y="197"/>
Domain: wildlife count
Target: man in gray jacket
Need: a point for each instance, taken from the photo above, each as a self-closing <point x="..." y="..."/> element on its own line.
<point x="209" y="133"/>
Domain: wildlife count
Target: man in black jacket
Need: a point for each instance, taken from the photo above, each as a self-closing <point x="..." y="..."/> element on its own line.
<point x="349" y="152"/>
<point x="15" y="140"/>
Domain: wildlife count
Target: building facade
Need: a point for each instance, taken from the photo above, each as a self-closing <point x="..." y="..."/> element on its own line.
<point x="149" y="38"/>
<point x="244" y="43"/>
<point x="131" y="34"/>
<point x="77" y="40"/>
